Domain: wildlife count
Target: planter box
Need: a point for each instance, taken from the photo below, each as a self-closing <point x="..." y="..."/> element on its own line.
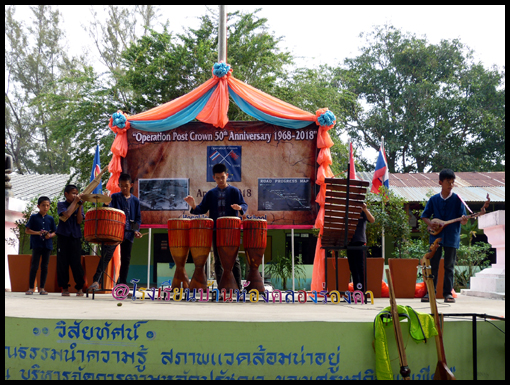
<point x="375" y="271"/>
<point x="344" y="274"/>
<point x="440" y="280"/>
<point x="403" y="274"/>
<point x="19" y="271"/>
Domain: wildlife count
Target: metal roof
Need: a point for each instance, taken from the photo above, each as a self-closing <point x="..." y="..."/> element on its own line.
<point x="27" y="187"/>
<point x="471" y="186"/>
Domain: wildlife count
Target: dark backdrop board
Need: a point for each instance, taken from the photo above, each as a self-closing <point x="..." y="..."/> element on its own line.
<point x="284" y="194"/>
<point x="252" y="151"/>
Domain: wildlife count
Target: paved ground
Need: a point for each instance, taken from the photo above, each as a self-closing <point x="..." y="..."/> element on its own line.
<point x="106" y="307"/>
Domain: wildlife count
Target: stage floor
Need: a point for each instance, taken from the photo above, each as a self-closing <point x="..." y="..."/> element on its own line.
<point x="104" y="306"/>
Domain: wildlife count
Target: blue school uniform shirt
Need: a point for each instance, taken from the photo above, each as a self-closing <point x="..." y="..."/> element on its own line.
<point x="218" y="202"/>
<point x="131" y="208"/>
<point x="445" y="209"/>
<point x="69" y="228"/>
<point x="36" y="223"/>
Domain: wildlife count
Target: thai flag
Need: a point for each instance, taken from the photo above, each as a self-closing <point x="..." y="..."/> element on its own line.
<point x="381" y="174"/>
<point x="96" y="169"/>
<point x="215" y="155"/>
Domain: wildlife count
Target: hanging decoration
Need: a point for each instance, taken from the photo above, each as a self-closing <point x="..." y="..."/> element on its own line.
<point x="327" y="120"/>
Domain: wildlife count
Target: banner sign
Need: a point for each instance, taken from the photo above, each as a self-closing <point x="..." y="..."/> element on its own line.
<point x="274" y="167"/>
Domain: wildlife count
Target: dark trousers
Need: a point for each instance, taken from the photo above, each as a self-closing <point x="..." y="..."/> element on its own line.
<point x="450" y="256"/>
<point x="39" y="254"/>
<point x="357" y="266"/>
<point x="107" y="254"/>
<point x="69" y="255"/>
<point x="218" y="268"/>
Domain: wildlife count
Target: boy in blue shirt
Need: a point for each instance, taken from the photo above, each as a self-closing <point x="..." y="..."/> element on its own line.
<point x="130" y="204"/>
<point x="222" y="201"/>
<point x="445" y="206"/>
<point x="41" y="228"/>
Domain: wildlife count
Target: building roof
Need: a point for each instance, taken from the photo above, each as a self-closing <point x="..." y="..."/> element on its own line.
<point x="471" y="186"/>
<point x="27" y="187"/>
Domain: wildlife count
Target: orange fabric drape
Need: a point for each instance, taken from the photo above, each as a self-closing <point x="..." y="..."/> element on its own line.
<point x="119" y="146"/>
<point x="324" y="159"/>
<point x="216" y="109"/>
<point x="267" y="103"/>
<point x="174" y="106"/>
<point x="119" y="150"/>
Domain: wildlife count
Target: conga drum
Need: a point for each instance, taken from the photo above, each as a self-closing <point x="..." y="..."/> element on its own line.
<point x="104" y="225"/>
<point x="254" y="242"/>
<point x="200" y="241"/>
<point x="178" y="243"/>
<point x="228" y="240"/>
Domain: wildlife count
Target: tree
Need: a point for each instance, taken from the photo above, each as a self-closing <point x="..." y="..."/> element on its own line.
<point x="34" y="59"/>
<point x="434" y="107"/>
<point x="161" y="67"/>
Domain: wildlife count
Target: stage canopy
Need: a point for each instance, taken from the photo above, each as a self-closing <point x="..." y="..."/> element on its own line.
<point x="209" y="103"/>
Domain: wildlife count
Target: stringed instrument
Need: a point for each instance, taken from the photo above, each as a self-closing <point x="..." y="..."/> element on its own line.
<point x="442" y="370"/>
<point x="442" y="224"/>
<point x="405" y="372"/>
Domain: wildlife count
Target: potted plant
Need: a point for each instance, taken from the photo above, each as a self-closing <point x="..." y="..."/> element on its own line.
<point x="280" y="268"/>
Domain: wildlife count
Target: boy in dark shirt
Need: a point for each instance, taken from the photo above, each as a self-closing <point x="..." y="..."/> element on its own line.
<point x="222" y="201"/>
<point x="130" y="204"/>
<point x="41" y="228"/>
<point x="69" y="241"/>
<point x="355" y="257"/>
<point x="445" y="206"/>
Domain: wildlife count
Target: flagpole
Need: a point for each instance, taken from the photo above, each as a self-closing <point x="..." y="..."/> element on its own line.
<point x="383" y="243"/>
<point x="222" y="34"/>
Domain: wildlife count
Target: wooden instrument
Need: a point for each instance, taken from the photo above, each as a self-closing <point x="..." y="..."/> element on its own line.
<point x="442" y="224"/>
<point x="200" y="242"/>
<point x="90" y="187"/>
<point x="178" y="243"/>
<point x="338" y="204"/>
<point x="442" y="370"/>
<point x="405" y="372"/>
<point x="104" y="225"/>
<point x="254" y="242"/>
<point x="228" y="240"/>
<point x="343" y="207"/>
<point x="96" y="198"/>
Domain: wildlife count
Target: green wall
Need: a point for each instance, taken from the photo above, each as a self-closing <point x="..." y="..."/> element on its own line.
<point x="115" y="349"/>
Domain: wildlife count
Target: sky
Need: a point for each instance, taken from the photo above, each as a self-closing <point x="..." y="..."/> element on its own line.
<point x="328" y="34"/>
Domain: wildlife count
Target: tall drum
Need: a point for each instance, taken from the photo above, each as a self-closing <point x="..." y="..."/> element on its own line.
<point x="104" y="225"/>
<point x="178" y="243"/>
<point x="200" y="241"/>
<point x="228" y="240"/>
<point x="254" y="242"/>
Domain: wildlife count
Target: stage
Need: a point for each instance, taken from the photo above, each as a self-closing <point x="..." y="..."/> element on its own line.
<point x="51" y="337"/>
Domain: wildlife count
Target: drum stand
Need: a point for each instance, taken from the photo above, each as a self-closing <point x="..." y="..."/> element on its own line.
<point x="99" y="198"/>
<point x="102" y="282"/>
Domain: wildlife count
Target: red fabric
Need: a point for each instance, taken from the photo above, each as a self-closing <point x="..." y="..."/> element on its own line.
<point x="351" y="162"/>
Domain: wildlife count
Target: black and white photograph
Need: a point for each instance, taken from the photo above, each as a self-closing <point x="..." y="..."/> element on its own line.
<point x="163" y="194"/>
